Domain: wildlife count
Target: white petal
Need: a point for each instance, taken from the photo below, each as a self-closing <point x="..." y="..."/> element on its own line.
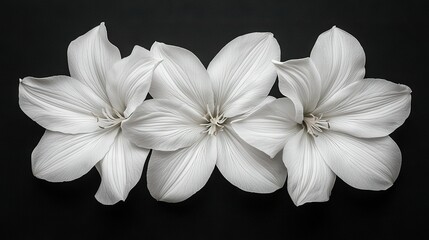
<point x="163" y="125"/>
<point x="340" y="60"/>
<point x="60" y="103"/>
<point x="129" y="80"/>
<point x="267" y="100"/>
<point x="175" y="176"/>
<point x="300" y="81"/>
<point x="370" y="164"/>
<point x="242" y="72"/>
<point x="368" y="108"/>
<point x="90" y="56"/>
<point x="309" y="178"/>
<point x="64" y="157"/>
<point x="120" y="170"/>
<point x="268" y="128"/>
<point x="181" y="76"/>
<point x="246" y="167"/>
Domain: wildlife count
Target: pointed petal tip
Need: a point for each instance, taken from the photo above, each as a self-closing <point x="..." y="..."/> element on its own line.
<point x="277" y="63"/>
<point x="158" y="44"/>
<point x="101" y="27"/>
<point x="138" y="48"/>
<point x="268" y="35"/>
<point x="407" y="89"/>
<point x="23" y="80"/>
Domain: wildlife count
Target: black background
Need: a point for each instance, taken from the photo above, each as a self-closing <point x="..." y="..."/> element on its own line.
<point x="35" y="37"/>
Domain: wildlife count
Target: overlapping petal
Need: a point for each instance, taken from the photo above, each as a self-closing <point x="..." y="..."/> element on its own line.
<point x="340" y="60"/>
<point x="129" y="80"/>
<point x="300" y="81"/>
<point x="64" y="157"/>
<point x="175" y="176"/>
<point x="246" y="167"/>
<point x="163" y="125"/>
<point x="181" y="77"/>
<point x="90" y="56"/>
<point x="309" y="178"/>
<point x="60" y="103"/>
<point x="269" y="128"/>
<point x="369" y="164"/>
<point x="120" y="170"/>
<point x="242" y="72"/>
<point x="368" y="108"/>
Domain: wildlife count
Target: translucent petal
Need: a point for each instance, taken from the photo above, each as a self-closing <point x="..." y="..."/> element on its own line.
<point x="120" y="170"/>
<point x="175" y="176"/>
<point x="164" y="125"/>
<point x="129" y="80"/>
<point x="339" y="59"/>
<point x="181" y="77"/>
<point x="369" y="164"/>
<point x="309" y="179"/>
<point x="300" y="81"/>
<point x="60" y="103"/>
<point x="268" y="128"/>
<point x="368" y="108"/>
<point x="64" y="157"/>
<point x="242" y="72"/>
<point x="90" y="56"/>
<point x="246" y="167"/>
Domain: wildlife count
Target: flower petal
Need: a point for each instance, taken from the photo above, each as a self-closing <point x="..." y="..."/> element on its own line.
<point x="368" y="108"/>
<point x="175" y="176"/>
<point x="90" y="56"/>
<point x="340" y="60"/>
<point x="246" y="167"/>
<point x="268" y="128"/>
<point x="120" y="170"/>
<point x="129" y="80"/>
<point x="64" y="157"/>
<point x="242" y="72"/>
<point x="369" y="164"/>
<point x="163" y="125"/>
<point x="309" y="179"/>
<point x="60" y="103"/>
<point x="181" y="76"/>
<point x="267" y="100"/>
<point x="300" y="81"/>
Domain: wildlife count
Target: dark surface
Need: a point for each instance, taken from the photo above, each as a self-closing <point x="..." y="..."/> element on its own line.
<point x="35" y="37"/>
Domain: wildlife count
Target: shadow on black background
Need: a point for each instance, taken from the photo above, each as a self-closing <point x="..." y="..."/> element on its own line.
<point x="35" y="37"/>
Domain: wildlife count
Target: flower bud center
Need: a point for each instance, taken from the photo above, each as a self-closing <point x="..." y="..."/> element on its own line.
<point x="214" y="122"/>
<point x="109" y="119"/>
<point x="315" y="125"/>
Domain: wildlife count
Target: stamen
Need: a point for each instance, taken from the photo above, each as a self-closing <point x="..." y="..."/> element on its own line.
<point x="214" y="124"/>
<point x="315" y="124"/>
<point x="108" y="120"/>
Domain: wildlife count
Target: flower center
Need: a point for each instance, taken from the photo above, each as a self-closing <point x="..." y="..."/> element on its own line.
<point x="315" y="124"/>
<point x="214" y="123"/>
<point x="109" y="120"/>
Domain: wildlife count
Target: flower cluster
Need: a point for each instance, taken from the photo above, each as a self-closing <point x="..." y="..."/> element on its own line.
<point x="331" y="122"/>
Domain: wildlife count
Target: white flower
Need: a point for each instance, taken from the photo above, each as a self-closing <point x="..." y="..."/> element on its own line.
<point x="188" y="121"/>
<point x="83" y="115"/>
<point x="333" y="122"/>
